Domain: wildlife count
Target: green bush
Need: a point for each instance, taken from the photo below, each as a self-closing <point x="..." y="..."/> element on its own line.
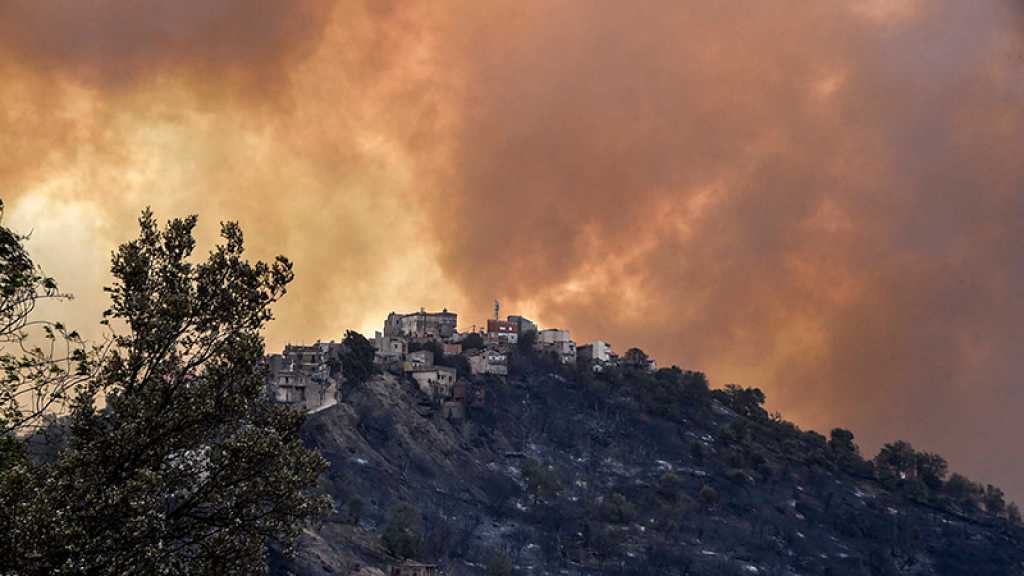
<point x="708" y="496"/>
<point x="617" y="510"/>
<point x="403" y="536"/>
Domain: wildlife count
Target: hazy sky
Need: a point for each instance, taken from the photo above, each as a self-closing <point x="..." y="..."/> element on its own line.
<point x="822" y="199"/>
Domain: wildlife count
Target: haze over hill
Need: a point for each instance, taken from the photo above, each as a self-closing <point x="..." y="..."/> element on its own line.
<point x="820" y="199"/>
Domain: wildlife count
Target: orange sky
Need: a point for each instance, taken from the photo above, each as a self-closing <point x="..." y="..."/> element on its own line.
<point x="818" y="198"/>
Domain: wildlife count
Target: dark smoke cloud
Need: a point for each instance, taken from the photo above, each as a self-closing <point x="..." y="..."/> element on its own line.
<point x="818" y="201"/>
<point x="821" y="199"/>
<point x="114" y="41"/>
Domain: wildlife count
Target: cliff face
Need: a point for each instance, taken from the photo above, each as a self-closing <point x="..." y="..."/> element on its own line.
<point x="562" y="473"/>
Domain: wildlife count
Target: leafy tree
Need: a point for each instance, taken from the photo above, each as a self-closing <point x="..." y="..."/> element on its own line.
<point x="747" y="402"/>
<point x="995" y="501"/>
<point x="355" y="509"/>
<point x="670" y="486"/>
<point x="931" y="469"/>
<point x="472" y="341"/>
<point x="696" y="388"/>
<point x="708" y="495"/>
<point x="617" y="510"/>
<point x="540" y="481"/>
<point x="916" y="489"/>
<point x="846" y="454"/>
<point x="896" y="461"/>
<point x="40" y="361"/>
<point x="841" y="443"/>
<point x="403" y="535"/>
<point x="357" y="358"/>
<point x="188" y="468"/>
<point x="1013" y="514"/>
<point x="526" y="344"/>
<point x="963" y="490"/>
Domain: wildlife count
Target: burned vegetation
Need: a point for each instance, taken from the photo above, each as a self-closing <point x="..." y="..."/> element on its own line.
<point x="561" y="470"/>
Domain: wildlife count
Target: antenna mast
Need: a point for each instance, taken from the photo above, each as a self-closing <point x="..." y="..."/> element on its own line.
<point x="497" y="310"/>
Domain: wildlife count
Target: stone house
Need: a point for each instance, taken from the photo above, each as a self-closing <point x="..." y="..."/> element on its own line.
<point x="418" y="359"/>
<point x="436" y="381"/>
<point x="389" y="349"/>
<point x="502" y="331"/>
<point x="422" y="325"/>
<point x="488" y="361"/>
<point x="598" y="353"/>
<point x="301" y="377"/>
<point x="559" y="342"/>
<point x="522" y="324"/>
<point x="636" y="358"/>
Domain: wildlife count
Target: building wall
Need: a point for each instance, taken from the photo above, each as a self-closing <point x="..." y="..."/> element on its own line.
<point x="503" y="330"/>
<point x="389" y="348"/>
<point x="558" y="341"/>
<point x="552" y="336"/>
<point x="523" y="325"/>
<point x="300" y="376"/>
<point x="600" y="351"/>
<point x="437" y="382"/>
<point x="422" y="324"/>
<point x="488" y="362"/>
<point x="421" y="358"/>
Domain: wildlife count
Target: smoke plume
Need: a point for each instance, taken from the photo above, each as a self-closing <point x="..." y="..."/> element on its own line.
<point x="820" y="199"/>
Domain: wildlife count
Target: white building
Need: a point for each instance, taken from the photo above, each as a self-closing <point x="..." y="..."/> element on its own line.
<point x="436" y="382"/>
<point x="558" y="341"/>
<point x="598" y="352"/>
<point x="488" y="362"/>
<point x="389" y="348"/>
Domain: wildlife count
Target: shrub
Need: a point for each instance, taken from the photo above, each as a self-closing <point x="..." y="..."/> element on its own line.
<point x="737" y="476"/>
<point x="670" y="487"/>
<point x="540" y="481"/>
<point x="403" y="535"/>
<point x="747" y="402"/>
<point x="473" y="341"/>
<point x="697" y="452"/>
<point x="356" y="358"/>
<point x="1013" y="514"/>
<point x="500" y="565"/>
<point x="617" y="510"/>
<point x="994" y="499"/>
<point x="931" y="469"/>
<point x="355" y="509"/>
<point x="708" y="496"/>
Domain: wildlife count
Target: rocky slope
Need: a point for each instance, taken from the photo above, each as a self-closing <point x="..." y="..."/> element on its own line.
<point x="625" y="473"/>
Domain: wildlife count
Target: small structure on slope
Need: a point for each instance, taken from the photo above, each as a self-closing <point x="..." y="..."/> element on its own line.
<point x="415" y="569"/>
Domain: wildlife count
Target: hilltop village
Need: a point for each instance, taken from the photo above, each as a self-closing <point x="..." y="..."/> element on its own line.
<point x="428" y="349"/>
<point x="511" y="450"/>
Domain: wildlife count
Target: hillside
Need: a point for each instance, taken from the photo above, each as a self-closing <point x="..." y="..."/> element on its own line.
<point x="625" y="472"/>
